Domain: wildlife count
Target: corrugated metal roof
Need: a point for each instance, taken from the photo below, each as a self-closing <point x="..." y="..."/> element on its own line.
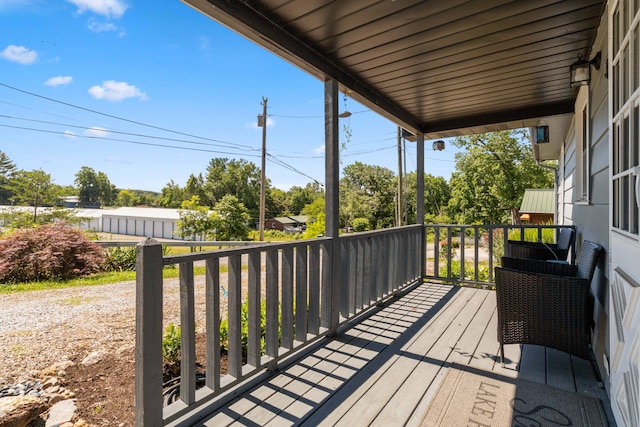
<point x="285" y="220"/>
<point x="157" y="213"/>
<point x="302" y="219"/>
<point x="538" y="201"/>
<point x="439" y="67"/>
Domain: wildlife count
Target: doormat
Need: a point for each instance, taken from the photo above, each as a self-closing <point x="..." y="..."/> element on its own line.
<point x="469" y="399"/>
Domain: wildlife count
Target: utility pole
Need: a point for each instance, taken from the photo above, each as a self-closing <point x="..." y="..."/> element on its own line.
<point x="399" y="204"/>
<point x="262" y="121"/>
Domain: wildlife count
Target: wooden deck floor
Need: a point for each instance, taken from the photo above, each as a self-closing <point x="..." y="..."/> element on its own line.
<point x="384" y="370"/>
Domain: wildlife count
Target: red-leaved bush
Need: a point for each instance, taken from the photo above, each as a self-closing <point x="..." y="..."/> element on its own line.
<point x="48" y="252"/>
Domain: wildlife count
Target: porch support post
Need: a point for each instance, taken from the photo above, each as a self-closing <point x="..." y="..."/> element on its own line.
<point x="148" y="356"/>
<point x="420" y="201"/>
<point x="332" y="180"/>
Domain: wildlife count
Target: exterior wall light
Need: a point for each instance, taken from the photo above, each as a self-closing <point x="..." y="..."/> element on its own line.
<point x="581" y="70"/>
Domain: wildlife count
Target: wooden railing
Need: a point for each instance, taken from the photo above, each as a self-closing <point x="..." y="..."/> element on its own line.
<point x="294" y="282"/>
<point x="467" y="254"/>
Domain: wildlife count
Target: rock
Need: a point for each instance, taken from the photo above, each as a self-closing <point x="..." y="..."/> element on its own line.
<point x="61" y="413"/>
<point x="56" y="368"/>
<point x="92" y="358"/>
<point x="19" y="411"/>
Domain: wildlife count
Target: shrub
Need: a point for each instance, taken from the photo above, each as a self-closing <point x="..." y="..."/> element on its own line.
<point x="360" y="224"/>
<point x="244" y="328"/>
<point x="48" y="252"/>
<point x="121" y="259"/>
<point x="171" y="342"/>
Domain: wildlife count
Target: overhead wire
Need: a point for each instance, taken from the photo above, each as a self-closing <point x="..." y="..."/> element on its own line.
<point x="275" y="160"/>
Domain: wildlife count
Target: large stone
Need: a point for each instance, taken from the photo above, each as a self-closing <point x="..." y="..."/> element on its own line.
<point x="19" y="411"/>
<point x="92" y="358"/>
<point x="60" y="413"/>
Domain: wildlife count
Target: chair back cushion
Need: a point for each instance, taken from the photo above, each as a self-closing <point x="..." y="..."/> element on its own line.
<point x="565" y="238"/>
<point x="589" y="256"/>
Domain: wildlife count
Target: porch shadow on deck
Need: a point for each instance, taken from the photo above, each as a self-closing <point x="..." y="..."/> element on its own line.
<point x="386" y="368"/>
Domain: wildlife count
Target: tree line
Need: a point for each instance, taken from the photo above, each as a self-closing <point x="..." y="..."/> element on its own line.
<point x="492" y="171"/>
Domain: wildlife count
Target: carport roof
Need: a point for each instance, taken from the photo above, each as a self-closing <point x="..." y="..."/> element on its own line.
<point x="440" y="67"/>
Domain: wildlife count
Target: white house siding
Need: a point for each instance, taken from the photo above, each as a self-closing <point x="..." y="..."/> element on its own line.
<point x="591" y="218"/>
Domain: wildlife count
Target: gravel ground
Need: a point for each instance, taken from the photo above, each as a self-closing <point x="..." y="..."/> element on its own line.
<point x="40" y="328"/>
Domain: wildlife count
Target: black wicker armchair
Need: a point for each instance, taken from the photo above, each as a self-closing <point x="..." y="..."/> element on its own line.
<point x="544" y="251"/>
<point x="546" y="303"/>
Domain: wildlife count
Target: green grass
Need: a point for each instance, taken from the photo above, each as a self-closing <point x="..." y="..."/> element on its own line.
<point x="96" y="279"/>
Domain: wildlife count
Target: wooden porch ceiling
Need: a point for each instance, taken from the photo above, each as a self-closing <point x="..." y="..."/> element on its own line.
<point x="440" y="67"/>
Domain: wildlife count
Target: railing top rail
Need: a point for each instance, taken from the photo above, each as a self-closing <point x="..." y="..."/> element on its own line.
<point x="502" y="225"/>
<point x="185" y="243"/>
<point x="260" y="247"/>
<point x="362" y="234"/>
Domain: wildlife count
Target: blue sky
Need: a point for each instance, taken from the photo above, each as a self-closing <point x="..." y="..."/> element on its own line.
<point x="71" y="70"/>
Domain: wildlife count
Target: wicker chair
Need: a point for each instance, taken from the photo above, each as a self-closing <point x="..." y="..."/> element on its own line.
<point x="546" y="303"/>
<point x="544" y="251"/>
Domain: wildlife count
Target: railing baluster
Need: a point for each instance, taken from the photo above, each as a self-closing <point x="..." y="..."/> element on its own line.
<point x="271" y="337"/>
<point x="436" y="251"/>
<point x="301" y="293"/>
<point x="379" y="264"/>
<point x="344" y="278"/>
<point x="476" y="246"/>
<point x="325" y="294"/>
<point x="366" y="275"/>
<point x="461" y="249"/>
<point x="287" y="298"/>
<point x="313" y="327"/>
<point x="359" y="275"/>
<point x="254" y="315"/>
<point x="188" y="334"/>
<point x="212" y="338"/>
<point x="235" y="316"/>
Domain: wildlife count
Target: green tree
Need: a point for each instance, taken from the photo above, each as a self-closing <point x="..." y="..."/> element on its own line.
<point x="367" y="192"/>
<point x="171" y="196"/>
<point x="195" y="220"/>
<point x="230" y="219"/>
<point x="95" y="187"/>
<point x="316" y="224"/>
<point x="491" y="175"/>
<point x="235" y="177"/>
<point x="127" y="198"/>
<point x="7" y="169"/>
<point x="279" y="205"/>
<point x="33" y="188"/>
<point x="299" y="197"/>
<point x="436" y="196"/>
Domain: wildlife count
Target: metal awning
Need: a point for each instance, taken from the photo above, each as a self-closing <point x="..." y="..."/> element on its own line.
<point x="439" y="67"/>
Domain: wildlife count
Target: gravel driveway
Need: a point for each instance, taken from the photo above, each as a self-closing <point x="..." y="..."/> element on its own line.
<point x="40" y="328"/>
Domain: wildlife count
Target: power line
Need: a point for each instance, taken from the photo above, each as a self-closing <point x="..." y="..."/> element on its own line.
<point x="117" y="117"/>
<point x="123" y="140"/>
<point x="118" y="132"/>
<point x="278" y="162"/>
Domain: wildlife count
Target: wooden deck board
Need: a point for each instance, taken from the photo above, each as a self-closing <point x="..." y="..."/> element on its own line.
<point x="386" y="369"/>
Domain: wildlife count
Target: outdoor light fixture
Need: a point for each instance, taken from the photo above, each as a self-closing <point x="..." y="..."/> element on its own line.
<point x="581" y="70"/>
<point x="541" y="134"/>
<point x="438" y="145"/>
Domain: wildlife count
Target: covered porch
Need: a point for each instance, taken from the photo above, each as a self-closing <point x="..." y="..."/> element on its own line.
<point x="354" y="335"/>
<point x="388" y="367"/>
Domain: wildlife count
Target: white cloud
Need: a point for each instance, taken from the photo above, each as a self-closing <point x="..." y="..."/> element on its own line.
<point x="70" y="134"/>
<point x="59" y="81"/>
<point x="19" y="54"/>
<point x="107" y="8"/>
<point x="319" y="150"/>
<point x="103" y="27"/>
<point x="96" y="132"/>
<point x="111" y="90"/>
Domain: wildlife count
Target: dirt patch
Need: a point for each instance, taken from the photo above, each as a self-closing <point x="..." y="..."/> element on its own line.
<point x="104" y="391"/>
